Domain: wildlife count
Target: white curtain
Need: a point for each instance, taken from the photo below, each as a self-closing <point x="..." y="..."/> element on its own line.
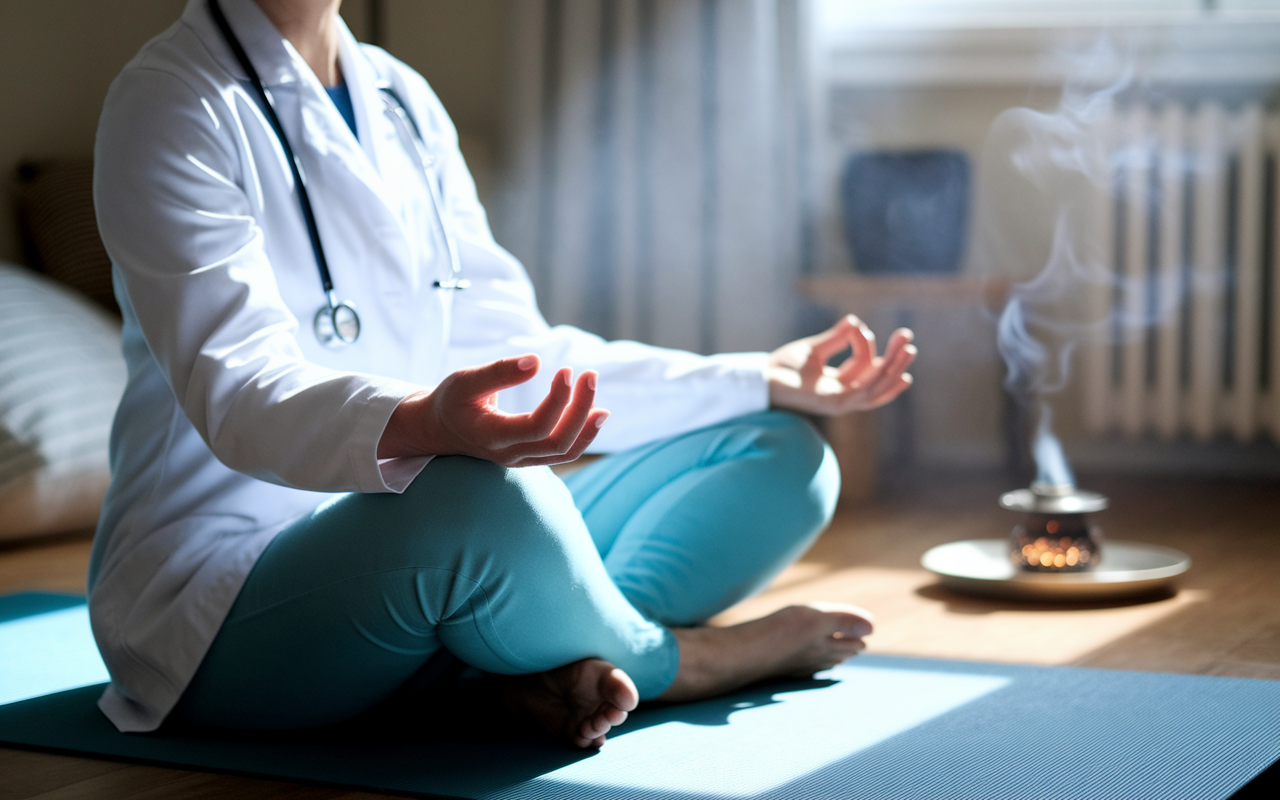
<point x="656" y="174"/>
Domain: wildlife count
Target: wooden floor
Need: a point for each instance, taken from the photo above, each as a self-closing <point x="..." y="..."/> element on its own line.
<point x="1225" y="620"/>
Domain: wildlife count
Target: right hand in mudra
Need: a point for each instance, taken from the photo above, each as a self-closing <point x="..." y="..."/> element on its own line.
<point x="460" y="416"/>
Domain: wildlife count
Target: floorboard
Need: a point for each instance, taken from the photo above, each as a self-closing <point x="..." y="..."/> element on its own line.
<point x="1224" y="620"/>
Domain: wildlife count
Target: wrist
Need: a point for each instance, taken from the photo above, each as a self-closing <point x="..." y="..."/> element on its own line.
<point x="783" y="385"/>
<point x="409" y="431"/>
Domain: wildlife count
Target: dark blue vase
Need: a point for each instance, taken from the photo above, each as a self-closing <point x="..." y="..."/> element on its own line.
<point x="906" y="212"/>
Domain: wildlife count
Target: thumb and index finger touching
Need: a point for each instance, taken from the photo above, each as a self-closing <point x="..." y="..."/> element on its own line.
<point x="863" y="362"/>
<point x="848" y="332"/>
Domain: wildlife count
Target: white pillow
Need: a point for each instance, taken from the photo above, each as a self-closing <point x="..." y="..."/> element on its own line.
<point x="61" y="377"/>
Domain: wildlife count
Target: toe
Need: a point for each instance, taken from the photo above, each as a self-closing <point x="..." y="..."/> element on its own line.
<point x="853" y="626"/>
<point x="615" y="716"/>
<point x="595" y="726"/>
<point x="844" y="610"/>
<point x="617" y="688"/>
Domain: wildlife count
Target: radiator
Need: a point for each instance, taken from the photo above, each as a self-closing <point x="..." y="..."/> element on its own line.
<point x="1186" y="218"/>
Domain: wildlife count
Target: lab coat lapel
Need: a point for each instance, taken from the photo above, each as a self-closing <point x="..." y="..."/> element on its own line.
<point x="366" y="100"/>
<point x="394" y="167"/>
<point x="309" y="116"/>
<point x="324" y="129"/>
<point x="263" y="44"/>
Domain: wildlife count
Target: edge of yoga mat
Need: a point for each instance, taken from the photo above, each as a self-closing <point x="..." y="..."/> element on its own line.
<point x="28" y="604"/>
<point x="69" y="722"/>
<point x="88" y="729"/>
<point x="954" y="752"/>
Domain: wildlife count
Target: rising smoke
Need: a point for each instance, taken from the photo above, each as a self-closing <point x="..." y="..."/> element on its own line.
<point x="1060" y="157"/>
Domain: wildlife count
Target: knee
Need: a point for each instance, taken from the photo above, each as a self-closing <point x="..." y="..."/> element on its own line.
<point x="516" y="515"/>
<point x="800" y="463"/>
<point x="795" y="439"/>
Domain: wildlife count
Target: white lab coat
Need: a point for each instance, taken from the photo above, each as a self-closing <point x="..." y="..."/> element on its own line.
<point x="235" y="421"/>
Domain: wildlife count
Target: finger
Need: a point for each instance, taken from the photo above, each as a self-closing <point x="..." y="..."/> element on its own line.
<point x="848" y="332"/>
<point x="588" y="435"/>
<point x="482" y="381"/>
<point x="575" y="416"/>
<point x="893" y="390"/>
<point x="847" y="644"/>
<point x="851" y="647"/>
<point x="886" y="384"/>
<point x="539" y="423"/>
<point x="571" y="422"/>
<point x="863" y="358"/>
<point x="884" y="395"/>
<point x="864" y="344"/>
<point x="880" y="367"/>
<point x="893" y="370"/>
<point x="897" y="340"/>
<point x="502" y="431"/>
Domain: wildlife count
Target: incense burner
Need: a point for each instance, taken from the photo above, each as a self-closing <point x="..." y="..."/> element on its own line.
<point x="1056" y="534"/>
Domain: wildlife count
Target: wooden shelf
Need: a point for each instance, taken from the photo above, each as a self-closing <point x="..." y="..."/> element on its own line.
<point x="858" y="294"/>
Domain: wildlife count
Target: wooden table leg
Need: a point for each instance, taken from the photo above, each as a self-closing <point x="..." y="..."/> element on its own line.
<point x="853" y="438"/>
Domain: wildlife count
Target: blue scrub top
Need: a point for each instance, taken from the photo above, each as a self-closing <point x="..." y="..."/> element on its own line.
<point x="341" y="97"/>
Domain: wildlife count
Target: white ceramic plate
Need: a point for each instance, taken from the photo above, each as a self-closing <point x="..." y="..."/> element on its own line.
<point x="981" y="567"/>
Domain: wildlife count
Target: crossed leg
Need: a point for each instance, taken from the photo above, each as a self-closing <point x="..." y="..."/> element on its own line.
<point x="498" y="567"/>
<point x="691" y="525"/>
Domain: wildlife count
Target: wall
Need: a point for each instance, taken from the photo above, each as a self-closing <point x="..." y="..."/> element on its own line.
<point x="957" y="405"/>
<point x="929" y="87"/>
<point x="460" y="47"/>
<point x="59" y="56"/>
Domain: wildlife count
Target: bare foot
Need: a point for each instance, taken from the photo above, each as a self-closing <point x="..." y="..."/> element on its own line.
<point x="577" y="703"/>
<point x="796" y="641"/>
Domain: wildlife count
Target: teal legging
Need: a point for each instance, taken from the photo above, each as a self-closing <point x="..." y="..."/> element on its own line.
<point x="511" y="572"/>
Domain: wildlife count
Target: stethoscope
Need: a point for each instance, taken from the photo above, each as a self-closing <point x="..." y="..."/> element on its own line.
<point x="337" y="323"/>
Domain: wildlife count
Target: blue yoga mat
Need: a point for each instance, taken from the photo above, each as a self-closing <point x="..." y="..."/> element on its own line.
<point x="877" y="727"/>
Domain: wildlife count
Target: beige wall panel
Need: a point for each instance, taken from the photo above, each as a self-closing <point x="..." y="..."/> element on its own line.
<point x="58" y="57"/>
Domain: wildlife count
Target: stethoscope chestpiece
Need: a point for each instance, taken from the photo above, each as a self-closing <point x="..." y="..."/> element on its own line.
<point x="337" y="324"/>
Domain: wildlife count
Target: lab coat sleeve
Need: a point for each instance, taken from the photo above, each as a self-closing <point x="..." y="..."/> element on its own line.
<point x="176" y="214"/>
<point x="651" y="392"/>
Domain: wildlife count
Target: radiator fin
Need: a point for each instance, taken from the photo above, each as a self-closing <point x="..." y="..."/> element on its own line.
<point x="1186" y="228"/>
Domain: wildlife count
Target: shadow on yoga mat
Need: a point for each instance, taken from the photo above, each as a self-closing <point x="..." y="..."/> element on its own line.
<point x="878" y="727"/>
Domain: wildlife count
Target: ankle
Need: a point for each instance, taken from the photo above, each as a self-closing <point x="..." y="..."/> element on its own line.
<point x="704" y="668"/>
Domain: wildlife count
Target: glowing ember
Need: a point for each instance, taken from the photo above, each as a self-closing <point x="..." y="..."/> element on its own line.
<point x="1054" y="543"/>
<point x="1056" y="535"/>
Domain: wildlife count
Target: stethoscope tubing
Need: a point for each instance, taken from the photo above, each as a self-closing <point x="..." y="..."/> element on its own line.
<point x="326" y="324"/>
<point x="269" y="108"/>
<point x="404" y="122"/>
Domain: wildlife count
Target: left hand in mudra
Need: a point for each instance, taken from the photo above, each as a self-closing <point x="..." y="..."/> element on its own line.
<point x="801" y="380"/>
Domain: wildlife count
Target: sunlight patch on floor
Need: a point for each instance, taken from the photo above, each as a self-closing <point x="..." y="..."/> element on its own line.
<point x="744" y="755"/>
<point x="938" y="624"/>
<point x="48" y="652"/>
